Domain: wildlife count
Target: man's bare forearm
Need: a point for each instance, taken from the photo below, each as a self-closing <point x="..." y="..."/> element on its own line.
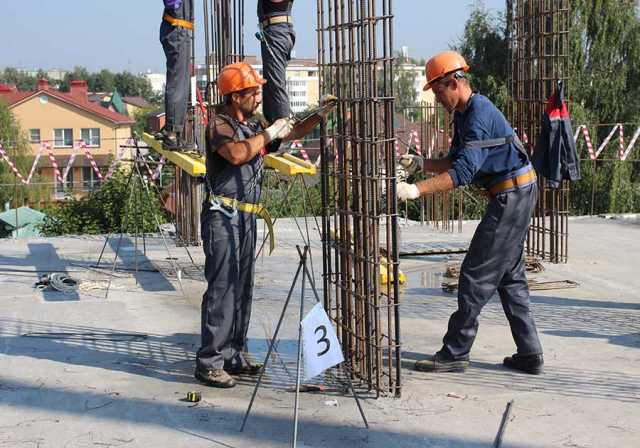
<point x="304" y="127"/>
<point x="238" y="153"/>
<point x="441" y="182"/>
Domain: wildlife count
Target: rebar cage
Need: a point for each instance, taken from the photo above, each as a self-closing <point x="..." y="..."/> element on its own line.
<point x="359" y="222"/>
<point x="538" y="34"/>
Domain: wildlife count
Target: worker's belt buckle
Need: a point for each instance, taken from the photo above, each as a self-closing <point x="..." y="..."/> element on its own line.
<point x="178" y="22"/>
<point x="515" y="182"/>
<point x="275" y="20"/>
<point x="217" y="205"/>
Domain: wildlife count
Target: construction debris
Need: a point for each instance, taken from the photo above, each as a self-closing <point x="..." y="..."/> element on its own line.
<point x="534" y="285"/>
<point x="57" y="282"/>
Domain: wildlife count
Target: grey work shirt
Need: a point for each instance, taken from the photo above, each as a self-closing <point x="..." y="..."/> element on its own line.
<point x="241" y="182"/>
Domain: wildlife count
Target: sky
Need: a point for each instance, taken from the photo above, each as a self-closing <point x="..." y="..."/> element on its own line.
<point x="123" y="34"/>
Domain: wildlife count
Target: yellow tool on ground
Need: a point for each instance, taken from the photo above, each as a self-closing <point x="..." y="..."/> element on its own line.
<point x="385" y="277"/>
<point x="193" y="396"/>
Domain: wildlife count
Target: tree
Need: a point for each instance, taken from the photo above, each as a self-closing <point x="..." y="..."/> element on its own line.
<point x="104" y="210"/>
<point x="484" y="46"/>
<point x="604" y="77"/>
<point x="20" y="79"/>
<point x="15" y="143"/>
<point x="405" y="92"/>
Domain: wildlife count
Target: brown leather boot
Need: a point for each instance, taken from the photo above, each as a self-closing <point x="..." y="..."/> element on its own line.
<point x="215" y="378"/>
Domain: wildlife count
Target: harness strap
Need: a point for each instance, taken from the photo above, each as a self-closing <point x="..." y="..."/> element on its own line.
<point x="178" y="22"/>
<point x="256" y="209"/>
<point x="274" y="20"/>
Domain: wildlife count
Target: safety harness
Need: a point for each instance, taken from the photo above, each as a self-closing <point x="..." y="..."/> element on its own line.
<point x="515" y="180"/>
<point x="181" y="23"/>
<point x="229" y="207"/>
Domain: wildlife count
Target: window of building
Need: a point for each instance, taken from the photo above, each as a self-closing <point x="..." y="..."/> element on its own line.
<point x="90" y="136"/>
<point x="90" y="179"/>
<point x="67" y="185"/>
<point x="34" y="135"/>
<point x="63" y="138"/>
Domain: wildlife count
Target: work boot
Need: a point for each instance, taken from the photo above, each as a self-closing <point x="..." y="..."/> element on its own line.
<point x="215" y="378"/>
<point x="442" y="363"/>
<point x="244" y="369"/>
<point x="531" y="364"/>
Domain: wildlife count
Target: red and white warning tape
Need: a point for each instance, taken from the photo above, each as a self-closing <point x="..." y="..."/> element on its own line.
<point x="624" y="154"/>
<point x="91" y="160"/>
<point x="297" y="144"/>
<point x="54" y="163"/>
<point x="35" y="164"/>
<point x="4" y="155"/>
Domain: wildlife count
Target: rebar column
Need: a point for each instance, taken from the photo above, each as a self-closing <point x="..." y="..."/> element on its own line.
<point x="538" y="32"/>
<point x="359" y="222"/>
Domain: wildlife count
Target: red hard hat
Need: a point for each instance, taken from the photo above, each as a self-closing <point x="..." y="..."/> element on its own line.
<point x="442" y="64"/>
<point x="237" y="77"/>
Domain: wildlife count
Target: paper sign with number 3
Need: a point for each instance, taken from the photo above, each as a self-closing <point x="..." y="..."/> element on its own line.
<point x="321" y="347"/>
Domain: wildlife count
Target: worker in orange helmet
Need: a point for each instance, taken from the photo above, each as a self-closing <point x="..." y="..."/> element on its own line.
<point x="236" y="143"/>
<point x="486" y="152"/>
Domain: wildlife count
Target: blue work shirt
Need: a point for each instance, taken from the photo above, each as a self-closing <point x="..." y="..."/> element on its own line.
<point x="481" y="120"/>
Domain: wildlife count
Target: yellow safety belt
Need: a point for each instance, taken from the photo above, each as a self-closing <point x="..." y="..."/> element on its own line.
<point x="178" y="22"/>
<point x="256" y="209"/>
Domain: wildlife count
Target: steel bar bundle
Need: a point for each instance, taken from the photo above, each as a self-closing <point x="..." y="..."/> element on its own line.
<point x="358" y="160"/>
<point x="225" y="19"/>
<point x="538" y="32"/>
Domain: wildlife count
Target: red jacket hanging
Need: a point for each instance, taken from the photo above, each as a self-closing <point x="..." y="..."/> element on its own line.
<point x="555" y="157"/>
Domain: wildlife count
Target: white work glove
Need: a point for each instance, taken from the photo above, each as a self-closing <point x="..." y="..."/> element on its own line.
<point x="411" y="163"/>
<point x="407" y="191"/>
<point x="280" y="129"/>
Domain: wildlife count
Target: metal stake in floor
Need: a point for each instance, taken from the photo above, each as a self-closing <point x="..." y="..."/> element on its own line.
<point x="306" y="275"/>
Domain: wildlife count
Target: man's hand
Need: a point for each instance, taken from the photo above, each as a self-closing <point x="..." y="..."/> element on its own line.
<point x="407" y="191"/>
<point x="327" y="104"/>
<point x="411" y="163"/>
<point x="280" y="129"/>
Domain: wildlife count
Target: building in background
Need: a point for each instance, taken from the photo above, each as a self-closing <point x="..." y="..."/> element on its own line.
<point x="302" y="81"/>
<point x="63" y="120"/>
<point x="158" y="81"/>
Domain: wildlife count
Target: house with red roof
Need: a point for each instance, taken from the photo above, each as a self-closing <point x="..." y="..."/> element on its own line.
<point x="62" y="119"/>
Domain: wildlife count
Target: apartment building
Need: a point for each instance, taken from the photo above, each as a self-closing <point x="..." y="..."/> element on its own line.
<point x="62" y="120"/>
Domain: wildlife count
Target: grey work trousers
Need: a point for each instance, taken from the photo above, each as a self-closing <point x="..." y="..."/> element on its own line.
<point x="494" y="262"/>
<point x="229" y="246"/>
<point x="280" y="39"/>
<point x="176" y="45"/>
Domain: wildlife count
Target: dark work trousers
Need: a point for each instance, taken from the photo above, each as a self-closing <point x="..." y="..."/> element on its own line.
<point x="176" y="45"/>
<point x="275" y="100"/>
<point x="229" y="247"/>
<point x="494" y="262"/>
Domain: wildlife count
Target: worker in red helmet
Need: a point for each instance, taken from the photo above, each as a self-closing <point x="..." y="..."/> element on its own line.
<point x="236" y="142"/>
<point x="486" y="152"/>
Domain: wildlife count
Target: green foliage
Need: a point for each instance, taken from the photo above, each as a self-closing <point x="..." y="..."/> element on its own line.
<point x="21" y="80"/>
<point x="17" y="147"/>
<point x="605" y="59"/>
<point x="405" y="90"/>
<point x="105" y="210"/>
<point x="484" y="46"/>
<point x="297" y="202"/>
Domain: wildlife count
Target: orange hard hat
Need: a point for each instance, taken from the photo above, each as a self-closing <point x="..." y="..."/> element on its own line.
<point x="442" y="64"/>
<point x="237" y="77"/>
